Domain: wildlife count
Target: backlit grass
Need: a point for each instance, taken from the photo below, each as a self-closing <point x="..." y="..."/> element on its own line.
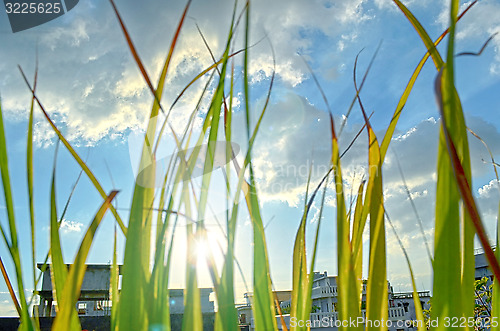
<point x="143" y="304"/>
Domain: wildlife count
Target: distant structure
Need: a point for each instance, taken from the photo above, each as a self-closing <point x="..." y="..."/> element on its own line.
<point x="324" y="306"/>
<point x="94" y="296"/>
<point x="95" y="302"/>
<point x="245" y="316"/>
<point x="177" y="301"/>
<point x="482" y="266"/>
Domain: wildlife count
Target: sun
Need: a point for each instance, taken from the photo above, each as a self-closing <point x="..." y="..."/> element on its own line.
<point x="209" y="249"/>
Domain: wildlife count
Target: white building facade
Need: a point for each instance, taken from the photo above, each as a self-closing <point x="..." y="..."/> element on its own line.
<point x="324" y="315"/>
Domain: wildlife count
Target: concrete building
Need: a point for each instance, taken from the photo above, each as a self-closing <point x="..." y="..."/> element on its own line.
<point x="245" y="315"/>
<point x="177" y="301"/>
<point x="324" y="313"/>
<point x="95" y="295"/>
<point x="481" y="264"/>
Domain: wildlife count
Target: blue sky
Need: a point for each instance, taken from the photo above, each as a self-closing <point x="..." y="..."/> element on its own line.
<point x="95" y="94"/>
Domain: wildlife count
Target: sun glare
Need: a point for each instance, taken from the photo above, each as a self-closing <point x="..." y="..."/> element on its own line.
<point x="208" y="248"/>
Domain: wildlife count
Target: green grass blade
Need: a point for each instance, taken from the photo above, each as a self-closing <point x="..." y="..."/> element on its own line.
<point x="74" y="279"/>
<point x="13" y="246"/>
<point x="376" y="296"/>
<point x="132" y="312"/>
<point x="10" y="288"/>
<point x="495" y="300"/>
<point x="29" y="173"/>
<point x="263" y="304"/>
<point x="404" y="97"/>
<point x="414" y="208"/>
<point x="115" y="274"/>
<point x="300" y="277"/>
<point x="358" y="228"/>
<point x="431" y="48"/>
<point x="447" y="210"/>
<point x="136" y="274"/>
<point x="448" y="300"/>
<point x="455" y="149"/>
<point x="227" y="315"/>
<point x="376" y="289"/>
<point x="77" y="158"/>
<point x="315" y="246"/>
<point x="156" y="93"/>
<point x="416" y="301"/>
<point x="58" y="269"/>
<point x="192" y="319"/>
<point x="349" y="304"/>
<point x="63" y="214"/>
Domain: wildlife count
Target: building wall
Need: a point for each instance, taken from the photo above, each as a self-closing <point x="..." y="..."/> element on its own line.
<point x="94" y="298"/>
<point x="96" y="277"/>
<point x="325" y="295"/>
<point x="177" y="301"/>
<point x="482" y="269"/>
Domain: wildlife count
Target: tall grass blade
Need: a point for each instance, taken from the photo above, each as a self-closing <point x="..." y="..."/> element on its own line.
<point x="77" y="158"/>
<point x="115" y="272"/>
<point x="263" y="303"/>
<point x="457" y="282"/>
<point x="226" y="317"/>
<point x="242" y="187"/>
<point x="431" y="47"/>
<point x="29" y="173"/>
<point x="192" y="319"/>
<point x="136" y="275"/>
<point x="416" y="300"/>
<point x="358" y="228"/>
<point x="10" y="288"/>
<point x="415" y="211"/>
<point x="348" y="293"/>
<point x="495" y="298"/>
<point x="404" y="97"/>
<point x="376" y="289"/>
<point x="460" y="164"/>
<point x="300" y="302"/>
<point x="451" y="137"/>
<point x="132" y="312"/>
<point x="58" y="269"/>
<point x="12" y="244"/>
<point x="74" y="280"/>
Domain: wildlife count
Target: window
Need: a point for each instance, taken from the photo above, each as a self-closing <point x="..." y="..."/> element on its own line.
<point x="82" y="308"/>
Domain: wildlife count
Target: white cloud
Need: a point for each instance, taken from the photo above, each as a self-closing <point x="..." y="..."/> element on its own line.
<point x="295" y="138"/>
<point x="286" y="148"/>
<point x="88" y="77"/>
<point x="482" y="21"/>
<point x="489" y="198"/>
<point x="68" y="226"/>
<point x="487" y="190"/>
<point x="43" y="134"/>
